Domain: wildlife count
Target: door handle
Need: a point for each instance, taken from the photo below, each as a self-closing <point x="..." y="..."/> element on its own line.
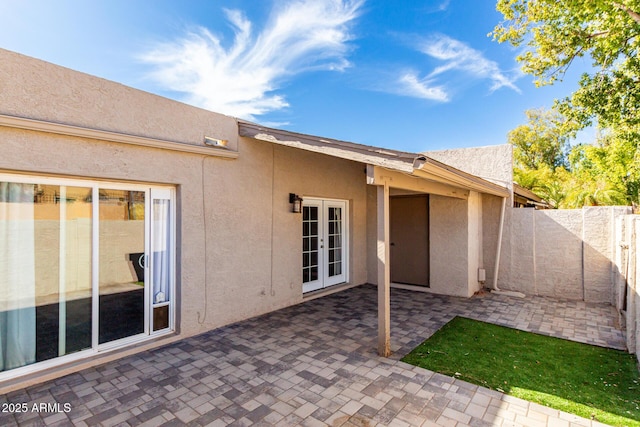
<point x="392" y="244"/>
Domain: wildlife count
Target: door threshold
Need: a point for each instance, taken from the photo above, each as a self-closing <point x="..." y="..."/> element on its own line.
<point x="416" y="288"/>
<point x="327" y="291"/>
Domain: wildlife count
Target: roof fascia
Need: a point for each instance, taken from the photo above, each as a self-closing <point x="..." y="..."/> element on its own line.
<point x="404" y="162"/>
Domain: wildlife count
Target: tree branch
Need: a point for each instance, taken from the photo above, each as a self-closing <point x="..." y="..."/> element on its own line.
<point x="633" y="14"/>
<point x="594" y="35"/>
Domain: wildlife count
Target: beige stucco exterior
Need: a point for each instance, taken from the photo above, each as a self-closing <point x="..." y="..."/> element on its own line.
<point x="238" y="244"/>
<point x="493" y="163"/>
<point x="449" y="250"/>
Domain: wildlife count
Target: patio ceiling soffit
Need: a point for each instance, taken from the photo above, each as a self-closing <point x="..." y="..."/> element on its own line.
<point x="401" y="169"/>
<point x="377" y="175"/>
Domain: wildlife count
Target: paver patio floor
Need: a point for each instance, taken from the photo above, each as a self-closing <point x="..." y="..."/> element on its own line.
<point x="315" y="364"/>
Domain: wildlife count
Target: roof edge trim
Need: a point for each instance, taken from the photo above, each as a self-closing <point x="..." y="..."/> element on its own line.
<point x="251" y="129"/>
<point x="104" y="135"/>
<point x="414" y="164"/>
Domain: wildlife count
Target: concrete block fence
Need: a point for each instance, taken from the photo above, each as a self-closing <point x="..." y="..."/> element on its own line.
<point x="627" y="278"/>
<point x="561" y="253"/>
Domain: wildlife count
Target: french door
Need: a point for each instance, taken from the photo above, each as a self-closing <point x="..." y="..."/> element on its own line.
<point x="324" y="243"/>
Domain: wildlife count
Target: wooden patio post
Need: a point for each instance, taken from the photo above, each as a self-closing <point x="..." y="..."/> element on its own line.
<point x="384" y="275"/>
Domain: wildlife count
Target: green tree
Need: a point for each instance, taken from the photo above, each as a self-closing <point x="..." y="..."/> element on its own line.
<point x="544" y="140"/>
<point x="605" y="173"/>
<point x="540" y="154"/>
<point x="554" y="33"/>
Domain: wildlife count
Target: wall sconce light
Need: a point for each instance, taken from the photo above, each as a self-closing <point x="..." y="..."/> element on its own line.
<point x="296" y="201"/>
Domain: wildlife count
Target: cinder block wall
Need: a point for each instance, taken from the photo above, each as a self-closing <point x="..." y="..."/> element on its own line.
<point x="626" y="278"/>
<point x="561" y="253"/>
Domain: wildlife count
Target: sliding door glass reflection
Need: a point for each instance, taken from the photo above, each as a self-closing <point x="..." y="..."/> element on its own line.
<point x="122" y="277"/>
<point x="45" y="272"/>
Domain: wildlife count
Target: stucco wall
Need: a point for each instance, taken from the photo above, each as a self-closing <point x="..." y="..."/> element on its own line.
<point x="598" y="233"/>
<point x="372" y="233"/>
<point x="493" y="163"/>
<point x="253" y="241"/>
<point x="239" y="246"/>
<point x="36" y="89"/>
<point x="449" y="246"/>
<point x="560" y="253"/>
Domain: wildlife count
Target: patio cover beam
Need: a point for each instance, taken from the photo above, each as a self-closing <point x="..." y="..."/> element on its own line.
<point x="384" y="272"/>
<point x="377" y="175"/>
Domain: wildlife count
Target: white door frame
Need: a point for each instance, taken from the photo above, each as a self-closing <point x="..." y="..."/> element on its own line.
<point x="95" y="185"/>
<point x="324" y="254"/>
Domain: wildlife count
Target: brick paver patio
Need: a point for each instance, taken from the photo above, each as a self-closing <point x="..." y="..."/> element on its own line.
<point x="314" y="364"/>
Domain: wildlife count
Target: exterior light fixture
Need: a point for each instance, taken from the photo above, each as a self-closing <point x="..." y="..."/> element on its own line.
<point x="296" y="201"/>
<point x="215" y="142"/>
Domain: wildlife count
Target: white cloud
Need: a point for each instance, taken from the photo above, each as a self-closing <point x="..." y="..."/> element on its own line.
<point x="409" y="84"/>
<point x="455" y="56"/>
<point x="459" y="56"/>
<point x="444" y="5"/>
<point x="240" y="80"/>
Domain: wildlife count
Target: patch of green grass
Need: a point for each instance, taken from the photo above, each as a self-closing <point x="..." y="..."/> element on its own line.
<point x="589" y="381"/>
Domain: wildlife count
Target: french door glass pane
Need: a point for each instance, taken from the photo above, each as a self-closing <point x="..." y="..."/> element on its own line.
<point x="45" y="272"/>
<point x="122" y="247"/>
<point x="309" y="243"/>
<point x="335" y="241"/>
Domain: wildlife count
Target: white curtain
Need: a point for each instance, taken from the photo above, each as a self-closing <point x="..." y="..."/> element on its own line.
<point x="17" y="276"/>
<point x="161" y="250"/>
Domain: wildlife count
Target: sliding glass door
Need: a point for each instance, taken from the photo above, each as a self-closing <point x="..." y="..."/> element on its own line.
<point x="122" y="245"/>
<point x="45" y="272"/>
<point x="83" y="265"/>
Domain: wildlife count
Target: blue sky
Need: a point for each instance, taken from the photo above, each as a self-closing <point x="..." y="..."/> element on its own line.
<point x="413" y="76"/>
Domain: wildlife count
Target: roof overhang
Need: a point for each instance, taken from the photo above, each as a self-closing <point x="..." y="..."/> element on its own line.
<point x="409" y="171"/>
<point x="526" y="196"/>
<point x="396" y="160"/>
<point x="432" y="169"/>
<point x="526" y="193"/>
